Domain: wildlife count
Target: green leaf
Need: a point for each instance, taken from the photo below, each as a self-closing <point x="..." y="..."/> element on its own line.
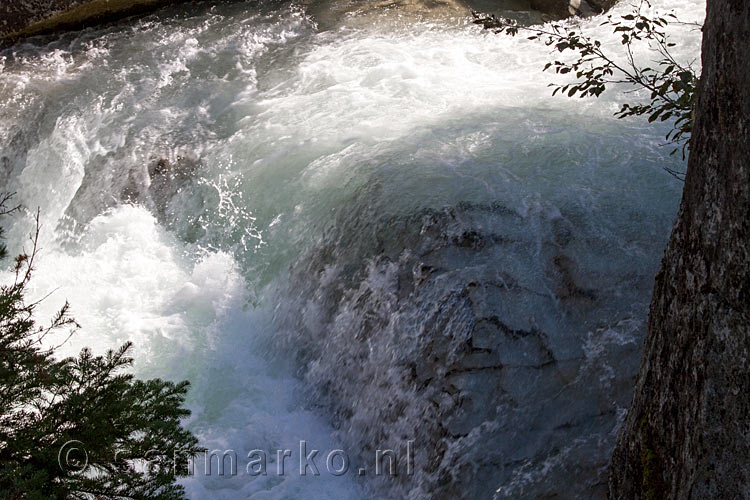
<point x="654" y="116"/>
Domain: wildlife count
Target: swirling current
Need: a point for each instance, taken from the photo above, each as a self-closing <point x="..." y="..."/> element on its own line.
<point x="365" y="231"/>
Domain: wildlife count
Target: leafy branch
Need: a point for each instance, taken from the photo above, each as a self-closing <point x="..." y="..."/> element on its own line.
<point x="671" y="84"/>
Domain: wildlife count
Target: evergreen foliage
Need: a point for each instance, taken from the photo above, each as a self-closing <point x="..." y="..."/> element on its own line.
<point x="81" y="427"/>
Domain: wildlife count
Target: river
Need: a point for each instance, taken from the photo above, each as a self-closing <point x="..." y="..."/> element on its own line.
<point x="364" y="231"/>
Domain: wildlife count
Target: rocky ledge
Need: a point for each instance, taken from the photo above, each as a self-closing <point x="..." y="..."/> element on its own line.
<point x="23" y="18"/>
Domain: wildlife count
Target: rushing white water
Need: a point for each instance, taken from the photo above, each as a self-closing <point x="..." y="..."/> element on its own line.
<point x="297" y="220"/>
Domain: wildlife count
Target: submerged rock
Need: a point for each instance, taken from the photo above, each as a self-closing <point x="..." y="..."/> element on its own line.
<point x="502" y="353"/>
<point x="152" y="185"/>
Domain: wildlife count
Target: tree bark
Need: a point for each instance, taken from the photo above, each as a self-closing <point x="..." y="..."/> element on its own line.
<point x="687" y="433"/>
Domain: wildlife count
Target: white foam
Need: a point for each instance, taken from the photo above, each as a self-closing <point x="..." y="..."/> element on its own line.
<point x="289" y="125"/>
<point x="188" y="318"/>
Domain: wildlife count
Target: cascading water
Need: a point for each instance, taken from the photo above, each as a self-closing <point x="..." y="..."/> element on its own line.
<point x="359" y="234"/>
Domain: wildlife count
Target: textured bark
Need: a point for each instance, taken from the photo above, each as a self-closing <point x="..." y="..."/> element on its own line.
<point x="687" y="434"/>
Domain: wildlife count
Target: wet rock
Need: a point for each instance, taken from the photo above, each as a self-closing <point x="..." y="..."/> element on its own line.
<point x="151" y="185"/>
<point x="500" y="351"/>
<point x="166" y="179"/>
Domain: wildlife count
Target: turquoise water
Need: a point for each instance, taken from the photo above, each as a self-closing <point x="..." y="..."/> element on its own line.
<point x="324" y="228"/>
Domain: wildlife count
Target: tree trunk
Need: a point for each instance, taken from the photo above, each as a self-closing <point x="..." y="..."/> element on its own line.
<point x="687" y="434"/>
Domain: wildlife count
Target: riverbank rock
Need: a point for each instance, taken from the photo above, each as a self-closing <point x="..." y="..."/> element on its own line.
<point x="31" y="17"/>
<point x="18" y="15"/>
<point x="332" y="13"/>
<point x="23" y="18"/>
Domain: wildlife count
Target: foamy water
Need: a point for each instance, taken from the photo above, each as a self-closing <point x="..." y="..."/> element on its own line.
<point x="311" y="171"/>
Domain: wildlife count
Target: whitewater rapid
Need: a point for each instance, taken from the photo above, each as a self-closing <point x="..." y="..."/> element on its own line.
<point x="288" y="215"/>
